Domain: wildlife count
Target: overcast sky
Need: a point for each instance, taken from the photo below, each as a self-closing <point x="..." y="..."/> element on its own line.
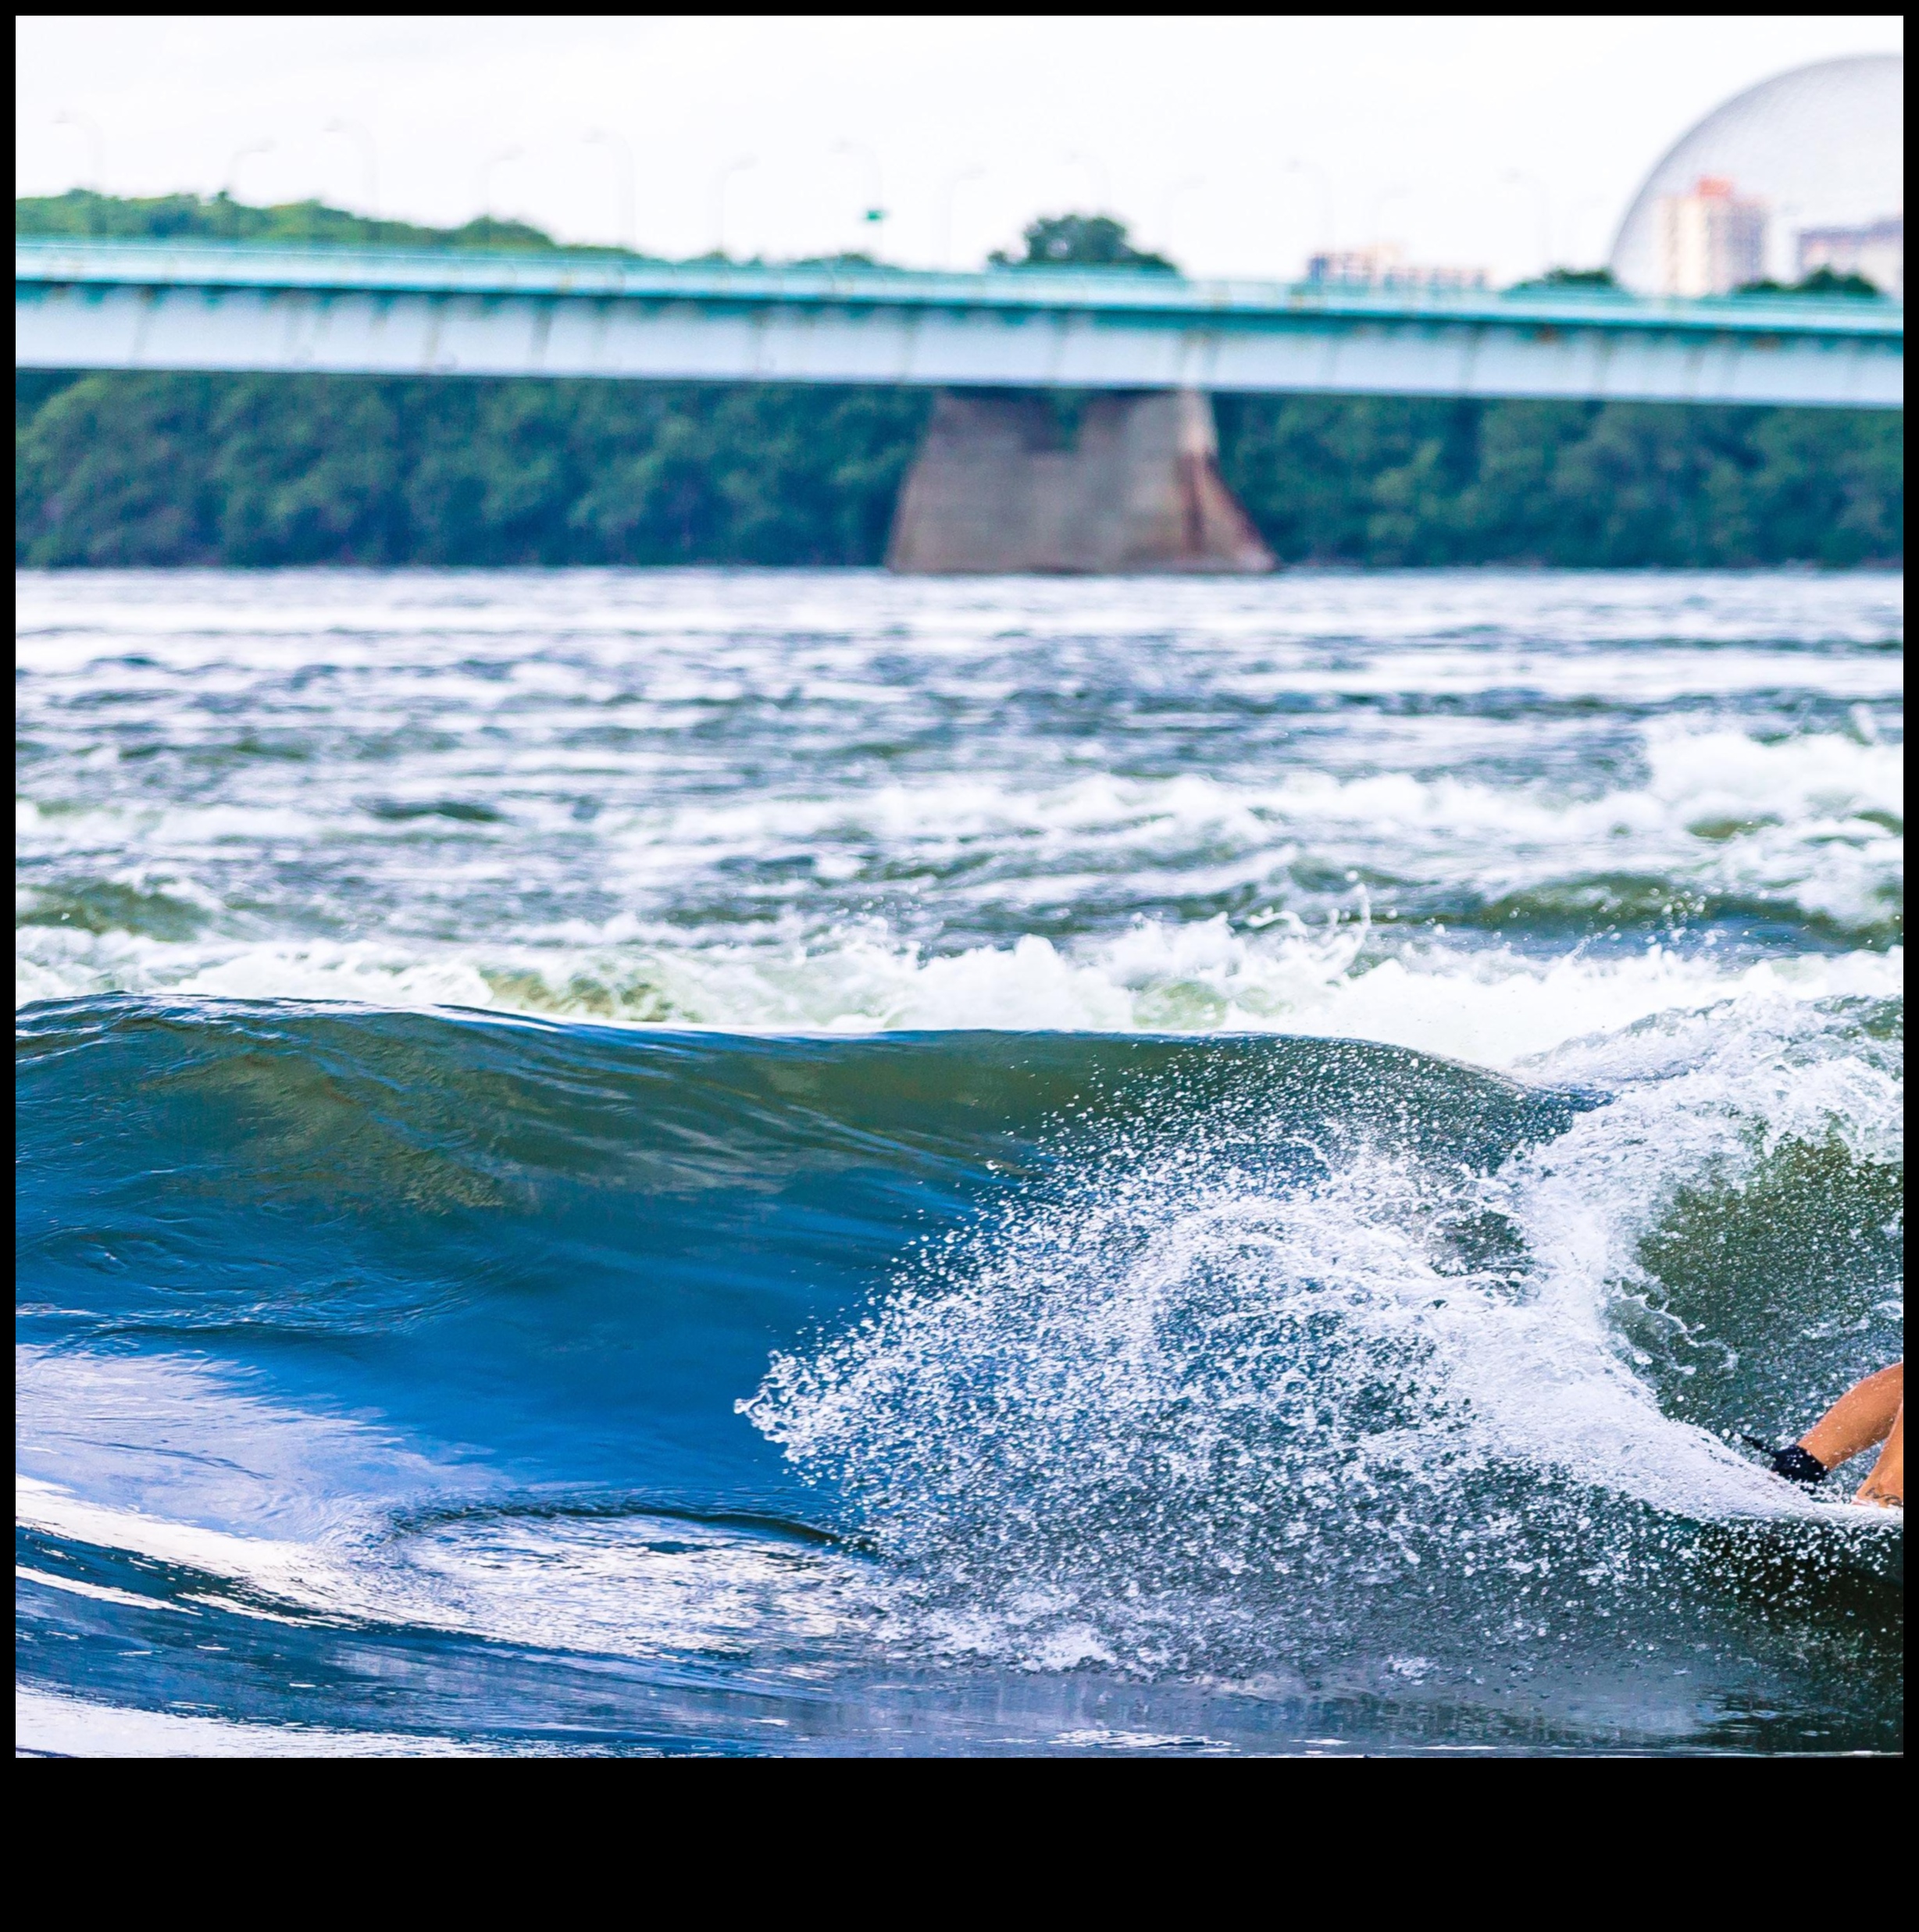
<point x="1236" y="146"/>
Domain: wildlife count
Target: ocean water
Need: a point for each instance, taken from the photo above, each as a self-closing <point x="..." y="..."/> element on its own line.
<point x="783" y="1162"/>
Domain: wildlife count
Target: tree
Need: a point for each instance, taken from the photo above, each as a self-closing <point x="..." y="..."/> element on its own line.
<point x="1567" y="278"/>
<point x="121" y="468"/>
<point x="1081" y="241"/>
<point x="1822" y="281"/>
<point x="219" y="218"/>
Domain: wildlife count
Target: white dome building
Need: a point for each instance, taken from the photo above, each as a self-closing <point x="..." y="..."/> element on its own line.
<point x="1805" y="170"/>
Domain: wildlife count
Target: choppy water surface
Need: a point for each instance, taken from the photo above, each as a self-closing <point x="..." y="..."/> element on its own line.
<point x="788" y="1162"/>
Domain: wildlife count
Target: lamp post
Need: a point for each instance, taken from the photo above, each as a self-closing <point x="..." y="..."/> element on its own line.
<point x="875" y="212"/>
<point x="493" y="160"/>
<point x="1380" y="274"/>
<point x="1297" y="166"/>
<point x="95" y="143"/>
<point x="1577" y="226"/>
<point x="1519" y="178"/>
<point x="942" y="234"/>
<point x="1170" y="200"/>
<point x="737" y="166"/>
<point x="239" y="155"/>
<point x="1393" y="193"/>
<point x="369" y="160"/>
<point x="1102" y="182"/>
<point x="622" y="163"/>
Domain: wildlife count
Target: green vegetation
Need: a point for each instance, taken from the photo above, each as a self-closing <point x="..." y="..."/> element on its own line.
<point x="215" y="218"/>
<point x="1080" y="241"/>
<point x="1407" y="480"/>
<point x="1820" y="282"/>
<point x="123" y="469"/>
<point x="126" y="469"/>
<point x="1567" y="278"/>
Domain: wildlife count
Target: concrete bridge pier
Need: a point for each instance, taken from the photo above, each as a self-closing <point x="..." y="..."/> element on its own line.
<point x="997" y="487"/>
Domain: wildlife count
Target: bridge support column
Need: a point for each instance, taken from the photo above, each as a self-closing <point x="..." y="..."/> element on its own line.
<point x="997" y="487"/>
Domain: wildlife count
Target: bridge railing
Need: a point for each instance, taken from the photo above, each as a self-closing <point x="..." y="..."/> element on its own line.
<point x="198" y="305"/>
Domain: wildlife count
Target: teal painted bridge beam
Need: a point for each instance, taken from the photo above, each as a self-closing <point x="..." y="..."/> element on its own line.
<point x="147" y="305"/>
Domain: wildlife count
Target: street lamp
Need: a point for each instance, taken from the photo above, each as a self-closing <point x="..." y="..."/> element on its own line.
<point x="1102" y="182"/>
<point x="493" y="160"/>
<point x="1520" y="179"/>
<point x="1170" y="200"/>
<point x="735" y="166"/>
<point x="1393" y="193"/>
<point x="943" y="233"/>
<point x="623" y="164"/>
<point x="1297" y="166"/>
<point x="358" y="132"/>
<point x="242" y="154"/>
<point x="875" y="211"/>
<point x="1579" y="227"/>
<point x="91" y="128"/>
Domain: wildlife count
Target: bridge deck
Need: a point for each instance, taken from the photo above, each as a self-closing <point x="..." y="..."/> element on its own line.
<point x="204" y="305"/>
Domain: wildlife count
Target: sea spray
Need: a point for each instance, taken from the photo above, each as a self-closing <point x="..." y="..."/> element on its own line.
<point x="1274" y="1138"/>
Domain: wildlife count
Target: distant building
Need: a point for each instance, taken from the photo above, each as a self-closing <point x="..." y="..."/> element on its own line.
<point x="1386" y="267"/>
<point x="1822" y="146"/>
<point x="1709" y="242"/>
<point x="1876" y="250"/>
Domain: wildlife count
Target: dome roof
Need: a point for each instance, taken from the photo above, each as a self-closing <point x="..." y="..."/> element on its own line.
<point x="1821" y="146"/>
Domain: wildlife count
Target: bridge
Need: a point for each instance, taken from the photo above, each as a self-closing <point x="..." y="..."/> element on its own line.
<point x="200" y="305"/>
<point x="993" y="488"/>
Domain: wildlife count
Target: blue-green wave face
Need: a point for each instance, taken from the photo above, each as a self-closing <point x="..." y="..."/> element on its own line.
<point x="820" y="1164"/>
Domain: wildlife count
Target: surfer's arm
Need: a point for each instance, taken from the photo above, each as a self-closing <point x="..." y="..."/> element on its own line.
<point x="1864" y="1416"/>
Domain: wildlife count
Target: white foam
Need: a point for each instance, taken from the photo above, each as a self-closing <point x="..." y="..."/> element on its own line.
<point x="847" y="802"/>
<point x="99" y="1592"/>
<point x="637" y="1585"/>
<point x="69" y="614"/>
<point x="290" y="1514"/>
<point x="1503" y="1012"/>
<point x="1491" y="1005"/>
<point x="48" y="1725"/>
<point x="1698" y="1100"/>
<point x="1175" y="1369"/>
<point x="1802" y="826"/>
<point x="204" y="1454"/>
<point x="289" y="1572"/>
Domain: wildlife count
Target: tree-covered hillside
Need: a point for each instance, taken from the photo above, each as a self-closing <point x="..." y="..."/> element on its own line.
<point x="217" y="218"/>
<point x="122" y="469"/>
